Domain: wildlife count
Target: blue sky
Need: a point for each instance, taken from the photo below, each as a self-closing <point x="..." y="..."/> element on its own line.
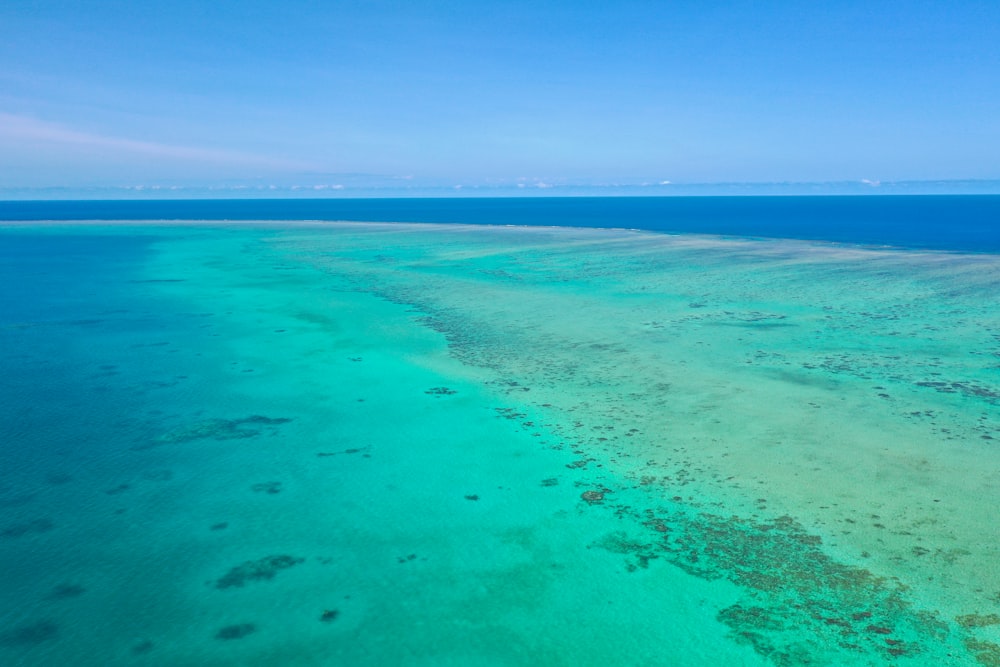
<point x="536" y="93"/>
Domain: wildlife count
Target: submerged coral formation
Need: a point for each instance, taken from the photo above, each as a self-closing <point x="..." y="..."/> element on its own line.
<point x="66" y="591"/>
<point x="263" y="569"/>
<point x="270" y="488"/>
<point x="28" y="528"/>
<point x="238" y="631"/>
<point x="978" y="620"/>
<point x="143" y="647"/>
<point x="695" y="403"/>
<point x="29" y="634"/>
<point x="986" y="653"/>
<point x="798" y="597"/>
<point x="220" y="430"/>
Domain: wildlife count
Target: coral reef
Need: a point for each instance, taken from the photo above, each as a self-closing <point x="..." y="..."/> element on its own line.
<point x="794" y="589"/>
<point x="351" y="450"/>
<point x="263" y="569"/>
<point x="28" y="528"/>
<point x="65" y="592"/>
<point x="266" y="487"/>
<point x="440" y="391"/>
<point x="219" y="430"/>
<point x="640" y="554"/>
<point x="142" y="648"/>
<point x="30" y="634"/>
<point x="238" y="631"/>
<point x="978" y="620"/>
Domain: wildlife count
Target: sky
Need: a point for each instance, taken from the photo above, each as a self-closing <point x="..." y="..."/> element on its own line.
<point x="339" y="95"/>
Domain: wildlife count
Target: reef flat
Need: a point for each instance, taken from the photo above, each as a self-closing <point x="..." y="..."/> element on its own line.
<point x="417" y="444"/>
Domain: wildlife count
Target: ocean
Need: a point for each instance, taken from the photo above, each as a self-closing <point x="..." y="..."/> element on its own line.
<point x="740" y="431"/>
<point x="968" y="223"/>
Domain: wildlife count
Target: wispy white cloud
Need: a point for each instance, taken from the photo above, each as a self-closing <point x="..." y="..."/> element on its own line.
<point x="26" y="130"/>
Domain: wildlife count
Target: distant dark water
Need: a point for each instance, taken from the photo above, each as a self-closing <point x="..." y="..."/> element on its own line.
<point x="943" y="222"/>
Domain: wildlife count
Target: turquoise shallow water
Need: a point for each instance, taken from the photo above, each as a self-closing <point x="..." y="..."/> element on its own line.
<point x="416" y="445"/>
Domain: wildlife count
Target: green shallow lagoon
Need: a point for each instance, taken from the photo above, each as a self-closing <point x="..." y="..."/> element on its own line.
<point x="346" y="444"/>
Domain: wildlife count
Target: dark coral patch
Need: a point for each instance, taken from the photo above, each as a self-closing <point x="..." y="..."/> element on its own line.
<point x="791" y="584"/>
<point x="219" y="429"/>
<point x="142" y="647"/>
<point x="30" y="634"/>
<point x="262" y="569"/>
<point x="978" y="620"/>
<point x="267" y="487"/>
<point x="28" y="528"/>
<point x="238" y="631"/>
<point x="65" y="592"/>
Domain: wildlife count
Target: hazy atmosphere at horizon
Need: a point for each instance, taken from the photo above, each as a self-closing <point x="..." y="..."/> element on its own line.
<point x="442" y="94"/>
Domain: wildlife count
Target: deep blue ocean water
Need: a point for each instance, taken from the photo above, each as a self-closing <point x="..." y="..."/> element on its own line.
<point x="969" y="223"/>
